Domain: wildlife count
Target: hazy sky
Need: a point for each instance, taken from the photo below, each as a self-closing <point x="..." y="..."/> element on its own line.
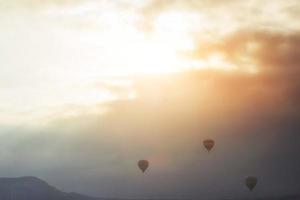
<point x="89" y="87"/>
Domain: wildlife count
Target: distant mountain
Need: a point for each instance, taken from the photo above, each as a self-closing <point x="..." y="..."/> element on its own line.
<point x="32" y="188"/>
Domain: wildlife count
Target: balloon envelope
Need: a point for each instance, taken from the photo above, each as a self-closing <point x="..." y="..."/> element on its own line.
<point x="143" y="165"/>
<point x="208" y="144"/>
<point x="251" y="182"/>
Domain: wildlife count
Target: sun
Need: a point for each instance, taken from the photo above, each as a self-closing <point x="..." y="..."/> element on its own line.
<point x="137" y="53"/>
<point x="129" y="51"/>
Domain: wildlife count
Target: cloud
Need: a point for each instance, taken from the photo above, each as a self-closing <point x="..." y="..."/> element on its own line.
<point x="223" y="14"/>
<point x="254" y="120"/>
<point x="268" y="51"/>
<point x="34" y="4"/>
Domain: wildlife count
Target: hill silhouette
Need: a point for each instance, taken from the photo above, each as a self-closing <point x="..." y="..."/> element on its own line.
<point x="32" y="188"/>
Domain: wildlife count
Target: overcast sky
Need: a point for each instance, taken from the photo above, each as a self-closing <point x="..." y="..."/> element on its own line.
<point x="89" y="87"/>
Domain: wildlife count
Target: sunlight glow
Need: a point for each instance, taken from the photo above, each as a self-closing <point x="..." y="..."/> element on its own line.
<point x="132" y="52"/>
<point x="64" y="51"/>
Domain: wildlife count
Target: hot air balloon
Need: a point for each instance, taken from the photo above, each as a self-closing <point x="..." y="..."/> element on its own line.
<point x="143" y="165"/>
<point x="208" y="144"/>
<point x="251" y="182"/>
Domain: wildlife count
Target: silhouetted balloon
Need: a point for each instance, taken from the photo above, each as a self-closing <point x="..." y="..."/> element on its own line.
<point x="251" y="182"/>
<point x="143" y="165"/>
<point x="208" y="144"/>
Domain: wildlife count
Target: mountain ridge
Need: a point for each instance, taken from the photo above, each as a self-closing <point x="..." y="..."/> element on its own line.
<point x="33" y="188"/>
